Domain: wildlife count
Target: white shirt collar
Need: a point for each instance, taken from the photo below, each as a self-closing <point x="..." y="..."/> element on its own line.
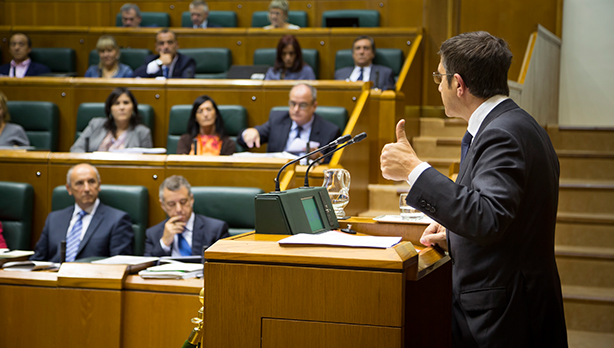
<point x="478" y="116"/>
<point x="306" y="126"/>
<point x="90" y="211"/>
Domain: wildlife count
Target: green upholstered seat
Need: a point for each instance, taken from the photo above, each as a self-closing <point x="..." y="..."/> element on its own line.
<point x="234" y="116"/>
<point x="40" y="121"/>
<point x="226" y="19"/>
<point x="266" y="56"/>
<point x="235" y="205"/>
<point x="87" y="111"/>
<point x="132" y="57"/>
<point x="149" y="19"/>
<point x="61" y="61"/>
<point x="335" y="114"/>
<point x="211" y="63"/>
<point x="16" y="202"/>
<point x="261" y="19"/>
<point x="366" y="18"/>
<point x="390" y="57"/>
<point x="132" y="199"/>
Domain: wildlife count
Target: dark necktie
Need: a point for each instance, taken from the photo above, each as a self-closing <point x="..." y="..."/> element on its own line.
<point x="299" y="129"/>
<point x="184" y="246"/>
<point x="360" y="76"/>
<point x="165" y="71"/>
<point x="14" y="71"/>
<point x="465" y="143"/>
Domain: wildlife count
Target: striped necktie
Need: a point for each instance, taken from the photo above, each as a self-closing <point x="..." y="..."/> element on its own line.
<point x="74" y="238"/>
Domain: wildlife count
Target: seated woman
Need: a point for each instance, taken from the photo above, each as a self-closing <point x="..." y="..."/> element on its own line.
<point x="289" y="63"/>
<point x="121" y="129"/>
<point x="278" y="16"/>
<point x="206" y="129"/>
<point x="109" y="65"/>
<point x="10" y="134"/>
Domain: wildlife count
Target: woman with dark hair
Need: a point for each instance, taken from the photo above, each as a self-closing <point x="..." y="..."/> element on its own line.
<point x="121" y="129"/>
<point x="289" y="63"/>
<point x="206" y="131"/>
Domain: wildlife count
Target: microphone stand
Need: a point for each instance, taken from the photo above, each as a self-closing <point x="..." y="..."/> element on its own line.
<point x="356" y="139"/>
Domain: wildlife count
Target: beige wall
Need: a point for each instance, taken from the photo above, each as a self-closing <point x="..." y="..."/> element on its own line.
<point x="587" y="72"/>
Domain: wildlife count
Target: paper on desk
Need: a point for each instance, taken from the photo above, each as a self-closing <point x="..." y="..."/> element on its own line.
<point x="298" y="146"/>
<point x="335" y="238"/>
<point x="126" y="260"/>
<point x="284" y="154"/>
<point x="143" y="150"/>
<point x="8" y="254"/>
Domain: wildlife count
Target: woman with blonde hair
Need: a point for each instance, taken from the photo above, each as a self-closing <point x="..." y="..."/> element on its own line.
<point x="109" y="65"/>
<point x="278" y="15"/>
<point x="10" y="134"/>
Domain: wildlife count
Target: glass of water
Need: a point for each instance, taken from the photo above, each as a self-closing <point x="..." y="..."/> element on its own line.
<point x="408" y="213"/>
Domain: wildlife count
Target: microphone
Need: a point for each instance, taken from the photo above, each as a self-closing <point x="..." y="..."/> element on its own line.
<point x="87" y="143"/>
<point x="195" y="146"/>
<point x="342" y="139"/>
<point x="356" y="139"/>
<point x="376" y="79"/>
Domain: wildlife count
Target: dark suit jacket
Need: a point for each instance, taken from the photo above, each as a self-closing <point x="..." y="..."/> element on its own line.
<point x="109" y="233"/>
<point x="500" y="215"/>
<point x="34" y="69"/>
<point x="276" y="130"/>
<point x="206" y="232"/>
<point x="184" y="68"/>
<point x="380" y="75"/>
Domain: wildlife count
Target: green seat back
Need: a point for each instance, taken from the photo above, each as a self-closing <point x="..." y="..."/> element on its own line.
<point x="266" y="56"/>
<point x="235" y="205"/>
<point x="211" y="63"/>
<point x="16" y="213"/>
<point x="61" y="61"/>
<point x="132" y="57"/>
<point x="40" y="121"/>
<point x="87" y="111"/>
<point x="226" y="19"/>
<point x="149" y="19"/>
<point x="132" y="199"/>
<point x="336" y="114"/>
<point x="390" y="57"/>
<point x="261" y="19"/>
<point x="234" y="116"/>
<point x="366" y="18"/>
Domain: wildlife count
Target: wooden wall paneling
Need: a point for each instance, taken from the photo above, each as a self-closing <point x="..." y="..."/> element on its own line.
<point x="402" y="13"/>
<point x="3" y="15"/>
<point x="30" y="317"/>
<point x="55" y="90"/>
<point x="31" y="168"/>
<point x="173" y="8"/>
<point x="232" y="38"/>
<point x="89" y="318"/>
<point x="437" y="30"/>
<point x="146" y="91"/>
<point x="58" y="13"/>
<point x="5" y="35"/>
<point x="313" y="38"/>
<point x="127" y="169"/>
<point x="68" y="37"/>
<point x="157" y="319"/>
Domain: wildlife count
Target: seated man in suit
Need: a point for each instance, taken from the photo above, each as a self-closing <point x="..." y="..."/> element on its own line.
<point x="363" y="53"/>
<point x="21" y="65"/>
<point x="131" y="15"/>
<point x="301" y="121"/>
<point x="183" y="233"/>
<point x="89" y="228"/>
<point x="168" y="63"/>
<point x="199" y="12"/>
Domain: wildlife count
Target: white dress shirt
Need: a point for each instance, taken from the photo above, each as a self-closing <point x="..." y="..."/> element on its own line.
<point x="85" y="220"/>
<point x="366" y="73"/>
<point x="19" y="69"/>
<point x="305" y="133"/>
<point x="187" y="234"/>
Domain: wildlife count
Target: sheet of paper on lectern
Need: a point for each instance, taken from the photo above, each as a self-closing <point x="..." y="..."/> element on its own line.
<point x="334" y="238"/>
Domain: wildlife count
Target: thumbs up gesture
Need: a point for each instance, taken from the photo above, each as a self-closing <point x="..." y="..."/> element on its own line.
<point x="398" y="159"/>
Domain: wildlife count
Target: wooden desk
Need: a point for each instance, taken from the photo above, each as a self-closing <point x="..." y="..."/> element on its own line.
<point x="40" y="312"/>
<point x="260" y="294"/>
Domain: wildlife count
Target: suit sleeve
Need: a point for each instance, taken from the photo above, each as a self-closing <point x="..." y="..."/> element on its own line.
<point x="184" y="145"/>
<point x="79" y="145"/>
<point x="389" y="83"/>
<point x="228" y="147"/>
<point x="41" y="250"/>
<point x="189" y="70"/>
<point x="144" y="135"/>
<point x="122" y="237"/>
<point x="263" y="129"/>
<point x="483" y="209"/>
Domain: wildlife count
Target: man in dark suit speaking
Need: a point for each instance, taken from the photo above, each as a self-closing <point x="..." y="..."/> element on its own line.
<point x="363" y="53"/>
<point x="168" y="63"/>
<point x="499" y="216"/>
<point x="89" y="228"/>
<point x="299" y="123"/>
<point x="183" y="233"/>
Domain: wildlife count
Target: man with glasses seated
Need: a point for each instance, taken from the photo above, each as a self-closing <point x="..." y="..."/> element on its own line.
<point x="300" y="121"/>
<point x="183" y="233"/>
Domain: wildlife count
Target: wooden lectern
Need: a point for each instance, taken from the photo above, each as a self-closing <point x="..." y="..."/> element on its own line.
<point x="261" y="294"/>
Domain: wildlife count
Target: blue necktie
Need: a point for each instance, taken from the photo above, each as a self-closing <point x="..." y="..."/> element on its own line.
<point x="184" y="247"/>
<point x="74" y="238"/>
<point x="465" y="143"/>
<point x="360" y="76"/>
<point x="165" y="71"/>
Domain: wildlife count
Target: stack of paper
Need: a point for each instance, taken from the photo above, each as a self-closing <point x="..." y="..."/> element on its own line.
<point x="333" y="238"/>
<point x="175" y="270"/>
<point x="26" y="266"/>
<point x="135" y="263"/>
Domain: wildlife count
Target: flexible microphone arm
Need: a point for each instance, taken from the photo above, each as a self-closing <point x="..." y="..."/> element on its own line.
<point x="342" y="139"/>
<point x="356" y="139"/>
